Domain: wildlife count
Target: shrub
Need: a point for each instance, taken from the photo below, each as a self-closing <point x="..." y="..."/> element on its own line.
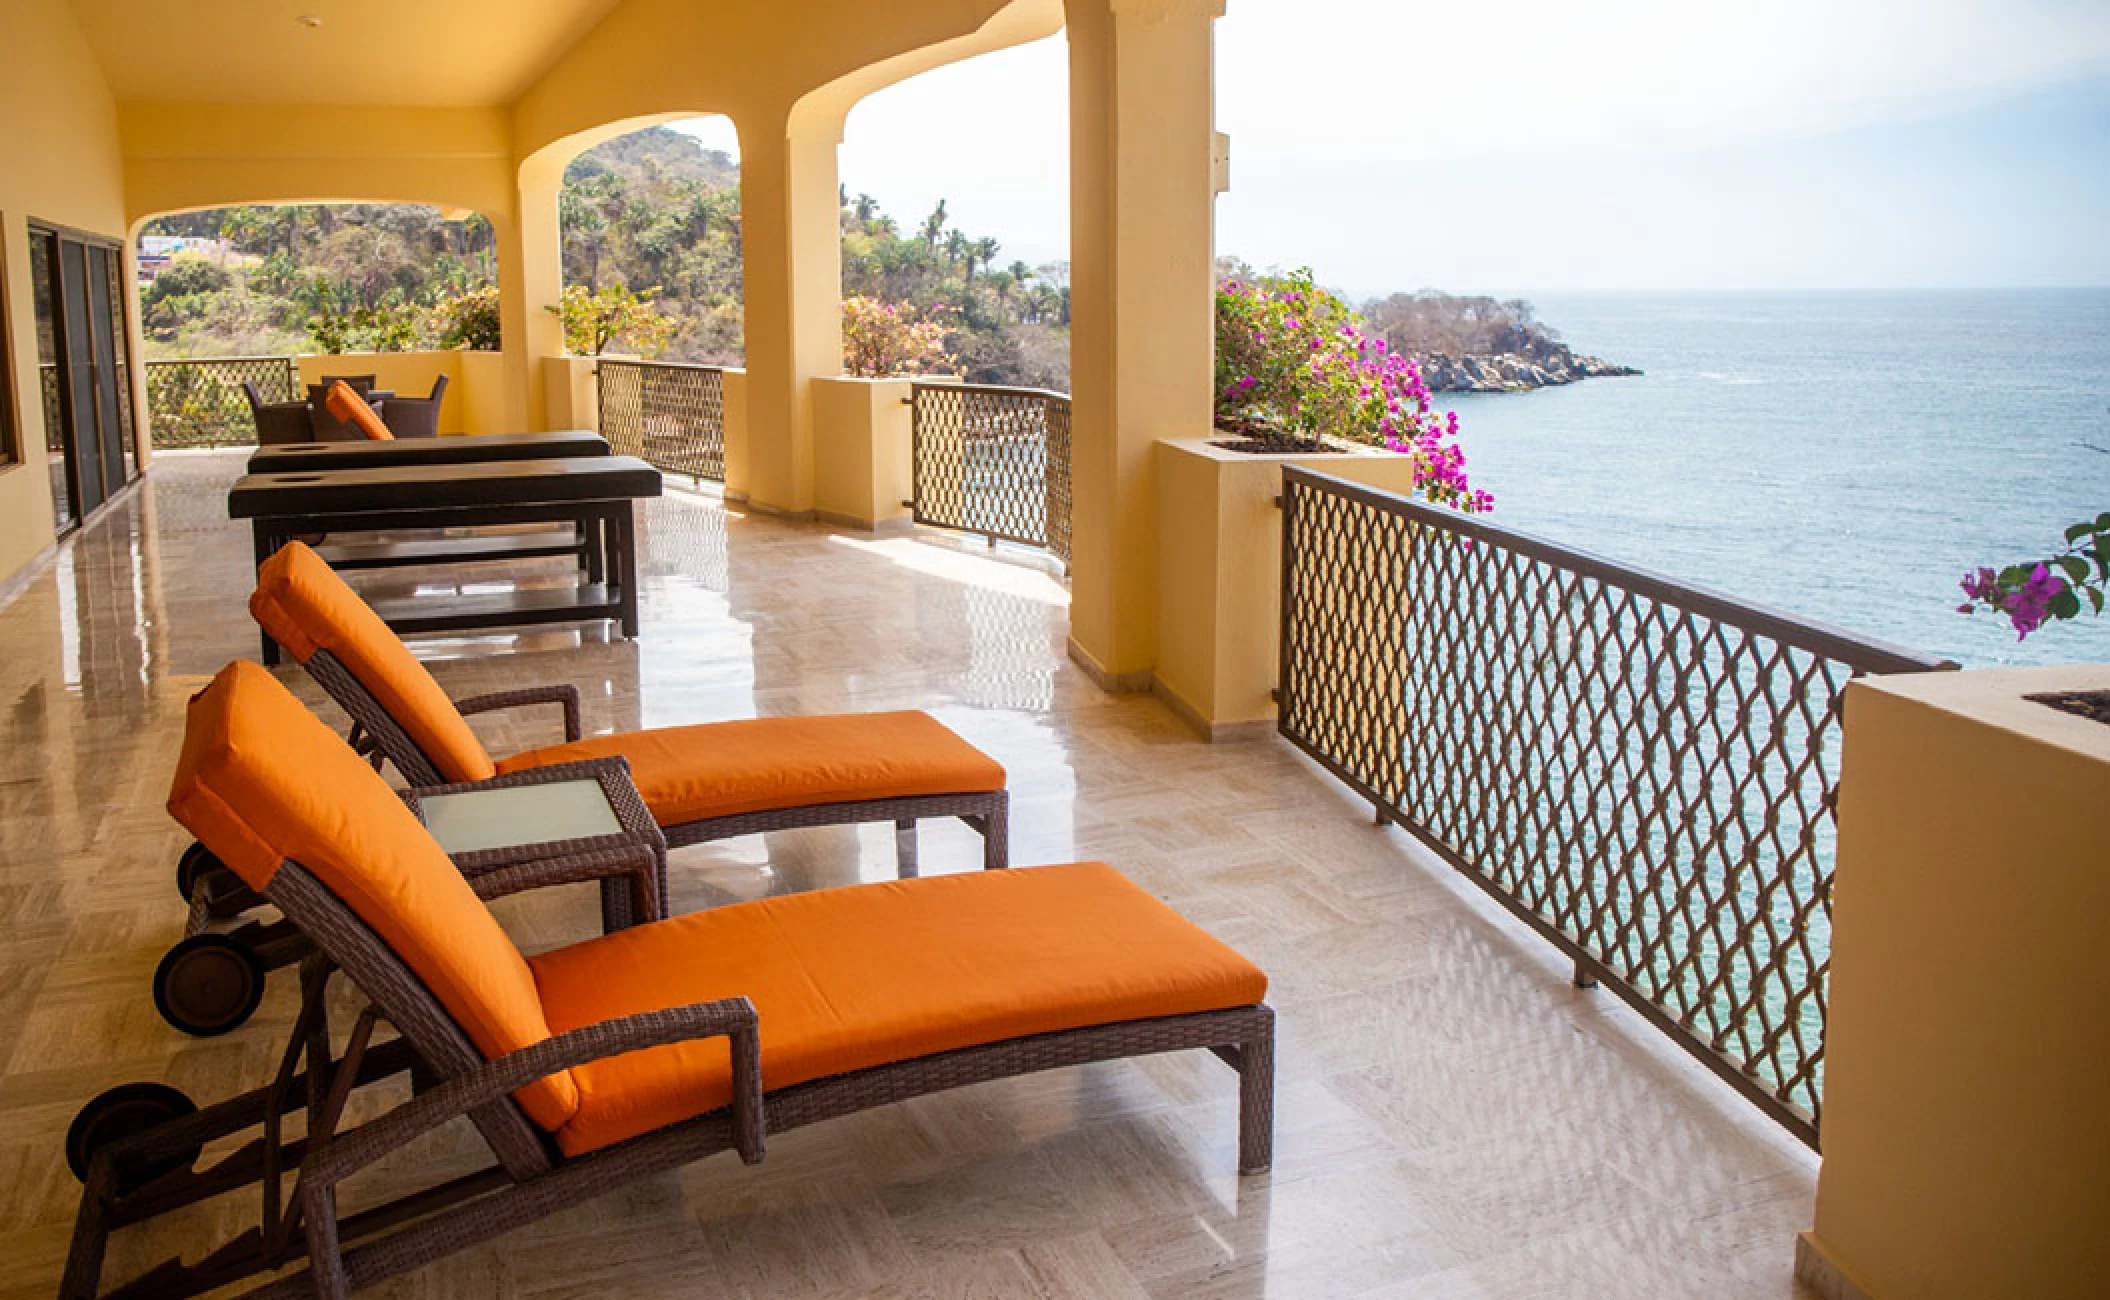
<point x="1293" y="359"/>
<point x="593" y="319"/>
<point x="468" y="319"/>
<point x="883" y="338"/>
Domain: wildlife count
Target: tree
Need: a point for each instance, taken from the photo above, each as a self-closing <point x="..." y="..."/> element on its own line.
<point x="595" y="318"/>
<point x="934" y="226"/>
<point x="983" y="250"/>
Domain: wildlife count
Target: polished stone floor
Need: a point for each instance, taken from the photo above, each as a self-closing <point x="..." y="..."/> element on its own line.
<point x="1454" y="1119"/>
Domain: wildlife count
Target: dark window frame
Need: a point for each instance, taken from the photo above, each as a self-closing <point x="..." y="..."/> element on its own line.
<point x="12" y="455"/>
<point x="124" y="306"/>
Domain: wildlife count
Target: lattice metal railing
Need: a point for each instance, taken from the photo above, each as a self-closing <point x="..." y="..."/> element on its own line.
<point x="671" y="414"/>
<point x="198" y="402"/>
<point x="994" y="461"/>
<point x="1643" y="772"/>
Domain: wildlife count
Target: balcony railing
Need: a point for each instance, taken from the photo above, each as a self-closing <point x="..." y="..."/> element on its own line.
<point x="1643" y="772"/>
<point x="198" y="402"/>
<point x="671" y="414"/>
<point x="994" y="462"/>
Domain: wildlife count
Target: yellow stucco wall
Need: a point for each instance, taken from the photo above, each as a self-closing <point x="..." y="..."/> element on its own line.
<point x="1142" y="236"/>
<point x="1966" y="1108"/>
<point x="59" y="162"/>
<point x="209" y="155"/>
<point x="863" y="448"/>
<point x="1218" y="574"/>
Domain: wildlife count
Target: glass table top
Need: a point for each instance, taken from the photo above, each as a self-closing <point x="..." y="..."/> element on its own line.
<point x="475" y="820"/>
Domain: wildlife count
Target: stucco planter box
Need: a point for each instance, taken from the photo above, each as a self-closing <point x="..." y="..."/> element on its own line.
<point x="1966" y="1133"/>
<point x="1220" y="573"/>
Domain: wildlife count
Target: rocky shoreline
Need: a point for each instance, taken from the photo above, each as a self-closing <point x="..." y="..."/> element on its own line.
<point x="1477" y="344"/>
<point x="1514" y="372"/>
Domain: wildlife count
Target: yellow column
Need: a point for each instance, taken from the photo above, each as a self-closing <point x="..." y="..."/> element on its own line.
<point x="530" y="282"/>
<point x="1142" y="250"/>
<point x="791" y="263"/>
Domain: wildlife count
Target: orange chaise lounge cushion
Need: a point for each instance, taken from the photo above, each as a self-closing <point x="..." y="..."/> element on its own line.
<point x="346" y="404"/>
<point x="304" y="606"/>
<point x="262" y="781"/>
<point x="721" y="769"/>
<point x="846" y="979"/>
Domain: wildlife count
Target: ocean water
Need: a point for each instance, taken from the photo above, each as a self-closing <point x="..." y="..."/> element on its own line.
<point x="1843" y="456"/>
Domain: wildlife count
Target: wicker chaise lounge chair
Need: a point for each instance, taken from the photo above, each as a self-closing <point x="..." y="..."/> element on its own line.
<point x="591" y="1066"/>
<point x="706" y="781"/>
<point x="703" y="782"/>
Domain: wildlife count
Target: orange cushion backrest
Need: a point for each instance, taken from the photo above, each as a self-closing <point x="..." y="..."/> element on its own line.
<point x="262" y="781"/>
<point x="304" y="606"/>
<point x="346" y="404"/>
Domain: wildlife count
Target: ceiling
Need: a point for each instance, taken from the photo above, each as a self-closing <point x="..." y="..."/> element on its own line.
<point x="426" y="52"/>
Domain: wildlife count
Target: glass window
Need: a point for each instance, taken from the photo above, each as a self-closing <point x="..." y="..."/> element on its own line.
<point x="43" y="293"/>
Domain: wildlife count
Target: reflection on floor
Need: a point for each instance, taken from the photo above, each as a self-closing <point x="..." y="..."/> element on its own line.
<point x="1454" y="1119"/>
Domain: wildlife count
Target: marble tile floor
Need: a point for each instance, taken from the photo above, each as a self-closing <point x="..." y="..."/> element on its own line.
<point x="1454" y="1120"/>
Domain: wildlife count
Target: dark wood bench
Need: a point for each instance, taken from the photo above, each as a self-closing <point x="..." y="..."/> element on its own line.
<point x="594" y="494"/>
<point x="467" y="449"/>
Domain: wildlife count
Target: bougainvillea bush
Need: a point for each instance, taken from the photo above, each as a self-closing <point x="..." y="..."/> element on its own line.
<point x="2035" y="592"/>
<point x="1293" y="360"/>
<point x="884" y="338"/>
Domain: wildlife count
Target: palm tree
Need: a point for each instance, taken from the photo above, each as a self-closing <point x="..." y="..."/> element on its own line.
<point x="984" y="250"/>
<point x="933" y="226"/>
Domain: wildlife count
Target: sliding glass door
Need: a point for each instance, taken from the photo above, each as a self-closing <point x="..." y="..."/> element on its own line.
<point x="79" y="288"/>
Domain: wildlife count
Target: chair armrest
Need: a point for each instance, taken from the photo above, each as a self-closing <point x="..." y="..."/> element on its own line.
<point x="563" y="693"/>
<point x="731" y="1018"/>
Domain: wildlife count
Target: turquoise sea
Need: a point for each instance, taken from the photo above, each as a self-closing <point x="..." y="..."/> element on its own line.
<point x="1844" y="456"/>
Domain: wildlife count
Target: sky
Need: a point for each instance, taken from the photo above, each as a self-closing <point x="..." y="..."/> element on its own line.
<point x="1543" y="146"/>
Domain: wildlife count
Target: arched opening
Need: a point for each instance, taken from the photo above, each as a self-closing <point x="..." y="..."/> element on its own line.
<point x="650" y="231"/>
<point x="258" y="279"/>
<point x="242" y="308"/>
<point x="973" y="237"/>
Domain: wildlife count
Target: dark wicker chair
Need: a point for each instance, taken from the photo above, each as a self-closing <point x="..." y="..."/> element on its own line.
<point x="415" y="417"/>
<point x="137" y="1145"/>
<point x="278" y="423"/>
<point x="324" y="424"/>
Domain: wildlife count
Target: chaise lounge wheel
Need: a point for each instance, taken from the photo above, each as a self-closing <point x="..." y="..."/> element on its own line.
<point x="195" y="862"/>
<point x="208" y="984"/>
<point x="119" y="1113"/>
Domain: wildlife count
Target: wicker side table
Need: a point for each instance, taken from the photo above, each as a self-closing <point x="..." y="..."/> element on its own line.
<point x="580" y="821"/>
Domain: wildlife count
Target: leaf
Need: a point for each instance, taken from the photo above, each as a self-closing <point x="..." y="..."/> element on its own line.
<point x="2076" y="568"/>
<point x="2014" y="575"/>
<point x="2065" y="604"/>
<point x="2078" y="531"/>
<point x="2095" y="598"/>
<point x="2102" y="522"/>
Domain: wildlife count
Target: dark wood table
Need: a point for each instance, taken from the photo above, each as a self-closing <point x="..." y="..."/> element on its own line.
<point x="464" y="449"/>
<point x="597" y="495"/>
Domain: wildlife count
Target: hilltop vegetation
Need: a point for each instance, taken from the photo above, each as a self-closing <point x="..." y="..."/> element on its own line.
<point x="657" y="214"/>
<point x="653" y="211"/>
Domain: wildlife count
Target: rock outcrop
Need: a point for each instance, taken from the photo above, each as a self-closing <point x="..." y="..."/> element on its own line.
<point x="1513" y="372"/>
<point x="1468" y="344"/>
